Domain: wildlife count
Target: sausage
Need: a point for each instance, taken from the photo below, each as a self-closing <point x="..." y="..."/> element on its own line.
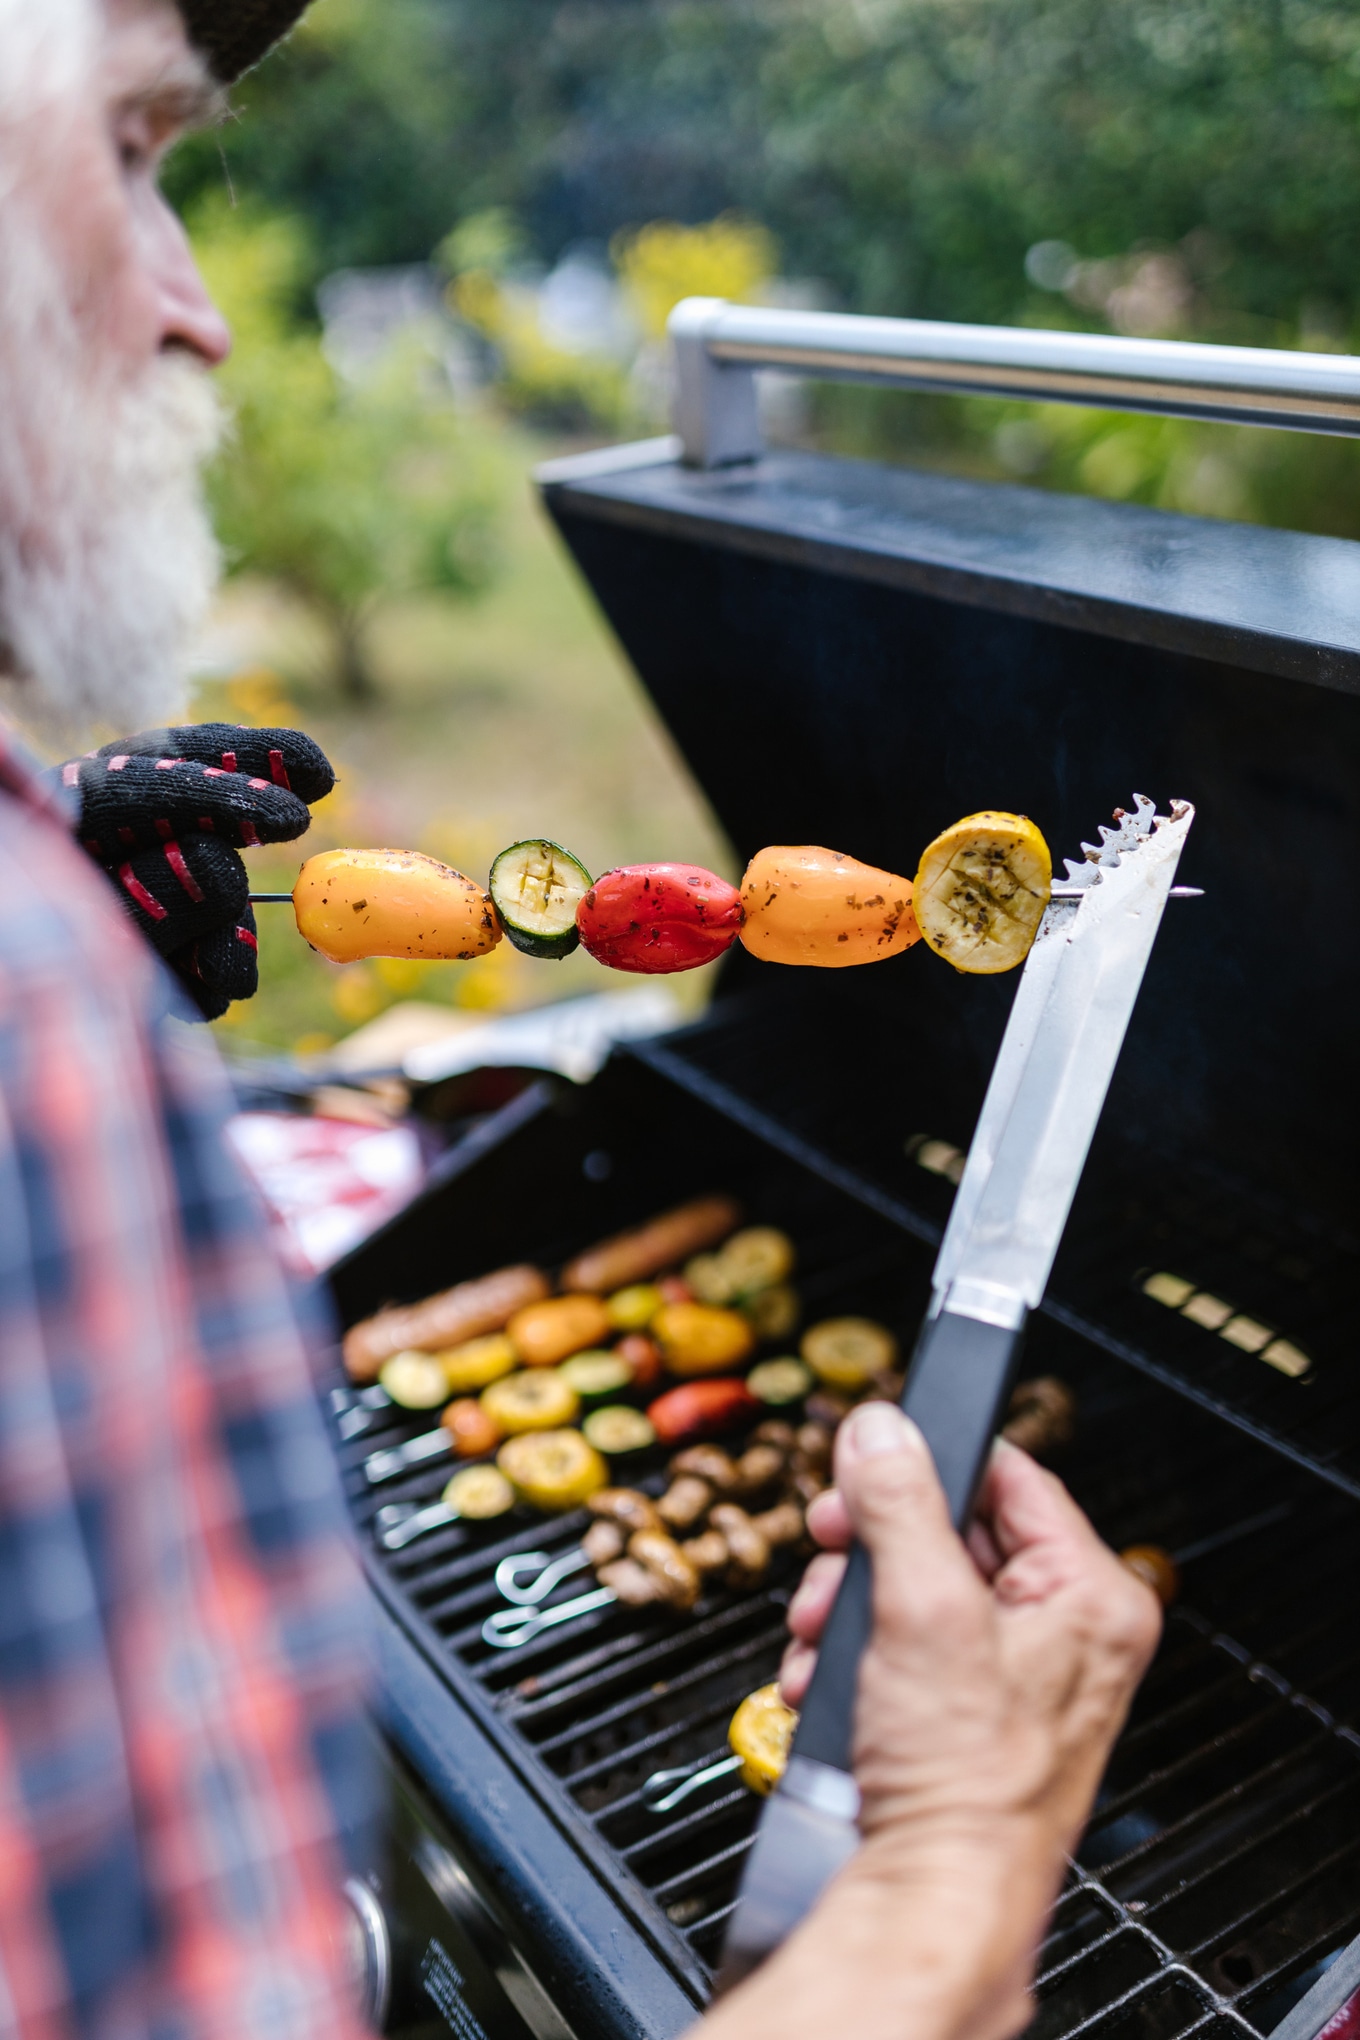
<point x="626" y="1506"/>
<point x="466" y="1311"/>
<point x="603" y="1542"/>
<point x="707" y="1462"/>
<point x="678" y="1582"/>
<point x="708" y="1552"/>
<point x="748" y="1550"/>
<point x="684" y="1502"/>
<point x="783" y="1524"/>
<point x="645" y="1249"/>
<point x="630" y="1582"/>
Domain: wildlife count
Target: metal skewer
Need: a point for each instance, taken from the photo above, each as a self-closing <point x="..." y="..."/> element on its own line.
<point x="269" y="899"/>
<point x="1060" y="891"/>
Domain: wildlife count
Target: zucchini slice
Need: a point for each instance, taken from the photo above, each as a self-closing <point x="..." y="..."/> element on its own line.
<point x="537" y="887"/>
<point x="619" y="1429"/>
<point x="595" y="1374"/>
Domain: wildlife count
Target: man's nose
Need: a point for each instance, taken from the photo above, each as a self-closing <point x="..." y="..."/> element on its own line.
<point x="187" y="315"/>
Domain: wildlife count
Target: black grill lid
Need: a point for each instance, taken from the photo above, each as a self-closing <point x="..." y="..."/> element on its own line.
<point x="854" y="655"/>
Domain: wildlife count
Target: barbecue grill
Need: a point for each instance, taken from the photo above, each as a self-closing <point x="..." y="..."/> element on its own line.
<point x="857" y="655"/>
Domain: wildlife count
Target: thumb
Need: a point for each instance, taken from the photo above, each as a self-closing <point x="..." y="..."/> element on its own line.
<point x="893" y="1497"/>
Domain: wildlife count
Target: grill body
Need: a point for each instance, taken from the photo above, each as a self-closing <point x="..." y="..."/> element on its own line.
<point x="859" y="657"/>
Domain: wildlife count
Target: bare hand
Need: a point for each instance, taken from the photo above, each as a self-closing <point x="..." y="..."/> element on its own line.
<point x="996" y="1679"/>
<point x="997" y="1676"/>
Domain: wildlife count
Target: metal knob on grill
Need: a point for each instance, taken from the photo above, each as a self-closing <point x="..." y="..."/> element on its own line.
<point x="368" y="1953"/>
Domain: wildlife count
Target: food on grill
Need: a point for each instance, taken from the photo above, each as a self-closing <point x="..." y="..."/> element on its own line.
<point x="473" y="1430"/>
<point x="478" y="1493"/>
<point x="355" y="903"/>
<point x="552" y="1469"/>
<point x="685" y="1501"/>
<point x="618" y="1429"/>
<point x="759" y="1467"/>
<point x="631" y="1583"/>
<point x="748" y="1550"/>
<point x="755" y="1259"/>
<point x="807" y="905"/>
<point x="595" y="1374"/>
<point x="783" y="1524"/>
<point x="604" y="1542"/>
<point x="827" y="1406"/>
<point x="1157" y="1567"/>
<point x="847" y="1352"/>
<point x="701" y="1409"/>
<point x="780" y="1381"/>
<point x="537" y="887"/>
<point x="643" y="1251"/>
<point x="632" y="1309"/>
<point x="537" y="1400"/>
<point x="707" y="1552"/>
<point x="701" y="1338"/>
<point x="447" y="1319"/>
<point x="677" y="1582"/>
<point x="772" y="1313"/>
<point x="981" y="891"/>
<point x="478" y="1362"/>
<point x="659" y="917"/>
<point x="761" y="1734"/>
<point x="414" y="1380"/>
<point x="625" y="1506"/>
<point x="707" y="1462"/>
<point x="1041" y="1416"/>
<point x="643" y="1356"/>
<point x="544" y="1333"/>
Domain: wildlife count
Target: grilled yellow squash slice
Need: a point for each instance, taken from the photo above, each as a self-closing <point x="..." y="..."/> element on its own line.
<point x="760" y="1733"/>
<point x="981" y="891"/>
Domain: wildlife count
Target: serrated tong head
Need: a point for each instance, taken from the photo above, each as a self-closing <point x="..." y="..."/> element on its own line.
<point x="1133" y="828"/>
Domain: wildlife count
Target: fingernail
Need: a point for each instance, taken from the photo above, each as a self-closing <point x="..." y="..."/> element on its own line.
<point x="879" y="1427"/>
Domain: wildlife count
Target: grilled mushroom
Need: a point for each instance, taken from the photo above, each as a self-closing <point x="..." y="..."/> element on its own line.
<point x="782" y="1524"/>
<point x="774" y="1431"/>
<point x="1042" y="1415"/>
<point x="748" y="1550"/>
<point x="758" y="1468"/>
<point x="677" y="1581"/>
<point x="684" y="1502"/>
<point x="634" y="1585"/>
<point x="603" y="1542"/>
<point x="706" y="1553"/>
<point x="707" y="1462"/>
<point x="626" y="1506"/>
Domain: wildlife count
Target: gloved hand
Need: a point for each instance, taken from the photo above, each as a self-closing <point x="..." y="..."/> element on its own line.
<point x="159" y="813"/>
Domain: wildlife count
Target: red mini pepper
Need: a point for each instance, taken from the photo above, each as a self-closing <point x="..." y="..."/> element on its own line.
<point x="701" y="1409"/>
<point x="659" y="917"/>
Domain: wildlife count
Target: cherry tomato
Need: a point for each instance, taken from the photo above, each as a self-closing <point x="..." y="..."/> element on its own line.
<point x="471" y="1429"/>
<point x="659" y="917"/>
<point x="643" y="1356"/>
<point x="701" y="1409"/>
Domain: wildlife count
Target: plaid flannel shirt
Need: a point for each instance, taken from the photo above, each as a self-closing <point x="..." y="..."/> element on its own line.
<point x="181" y="1734"/>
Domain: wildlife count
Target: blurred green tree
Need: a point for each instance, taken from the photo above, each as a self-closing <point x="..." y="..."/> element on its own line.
<point x="346" y="492"/>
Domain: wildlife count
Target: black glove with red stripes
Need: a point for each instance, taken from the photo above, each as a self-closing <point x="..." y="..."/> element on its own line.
<point x="160" y="813"/>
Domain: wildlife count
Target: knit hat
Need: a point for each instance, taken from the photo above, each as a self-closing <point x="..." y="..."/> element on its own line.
<point x="234" y="34"/>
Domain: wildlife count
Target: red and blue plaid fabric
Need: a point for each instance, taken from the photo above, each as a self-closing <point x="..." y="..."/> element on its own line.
<point x="181" y="1731"/>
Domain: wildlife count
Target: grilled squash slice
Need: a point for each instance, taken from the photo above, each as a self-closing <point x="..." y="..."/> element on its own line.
<point x="760" y="1733"/>
<point x="981" y="891"/>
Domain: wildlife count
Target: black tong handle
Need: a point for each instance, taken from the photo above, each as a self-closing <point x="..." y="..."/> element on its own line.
<point x="960" y="1377"/>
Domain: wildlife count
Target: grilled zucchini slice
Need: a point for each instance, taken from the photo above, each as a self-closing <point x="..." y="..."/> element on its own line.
<point x="537" y="887"/>
<point x="981" y="891"/>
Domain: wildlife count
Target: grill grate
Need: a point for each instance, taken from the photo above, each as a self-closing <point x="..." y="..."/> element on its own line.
<point x="1218" y="1873"/>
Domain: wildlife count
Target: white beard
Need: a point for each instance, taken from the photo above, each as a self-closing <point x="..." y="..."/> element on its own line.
<point x="107" y="558"/>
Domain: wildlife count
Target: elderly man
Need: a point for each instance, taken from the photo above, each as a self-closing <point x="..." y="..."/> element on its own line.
<point x="181" y="1749"/>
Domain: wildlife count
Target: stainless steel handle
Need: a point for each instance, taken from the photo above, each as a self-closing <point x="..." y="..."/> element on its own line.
<point x="368" y="1954"/>
<point x="718" y="347"/>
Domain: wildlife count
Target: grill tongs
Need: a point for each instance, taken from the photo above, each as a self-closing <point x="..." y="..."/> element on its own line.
<point x="1066" y="1028"/>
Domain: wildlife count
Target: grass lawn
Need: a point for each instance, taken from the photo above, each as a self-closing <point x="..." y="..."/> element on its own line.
<point x="511" y="715"/>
